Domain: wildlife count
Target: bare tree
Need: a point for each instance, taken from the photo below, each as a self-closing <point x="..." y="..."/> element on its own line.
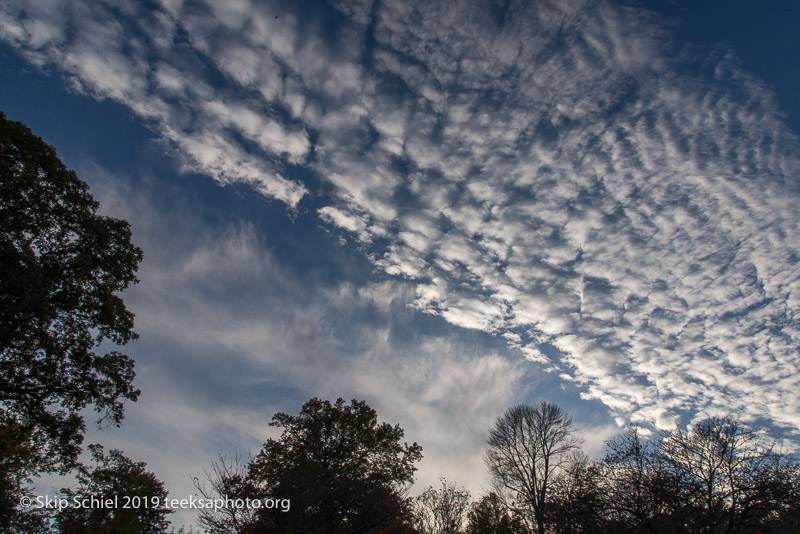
<point x="527" y="446"/>
<point x="441" y="511"/>
<point x="719" y="476"/>
<point x="635" y="492"/>
<point x="227" y="479"/>
<point x="726" y="472"/>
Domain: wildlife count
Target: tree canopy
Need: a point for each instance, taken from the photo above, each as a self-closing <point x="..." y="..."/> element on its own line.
<point x="726" y="477"/>
<point x="342" y="471"/>
<point x="491" y="516"/>
<point x="138" y="498"/>
<point x="717" y="476"/>
<point x="62" y="266"/>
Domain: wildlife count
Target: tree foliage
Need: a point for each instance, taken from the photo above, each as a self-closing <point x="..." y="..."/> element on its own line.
<point x="726" y="476"/>
<point x="717" y="477"/>
<point x="491" y="516"/>
<point x="575" y="496"/>
<point x="633" y="492"/>
<point x="16" y="460"/>
<point x="342" y="471"/>
<point x="61" y="267"/>
<point x="139" y="496"/>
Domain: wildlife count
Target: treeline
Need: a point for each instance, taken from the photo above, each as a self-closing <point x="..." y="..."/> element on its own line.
<point x="345" y="473"/>
<point x="719" y="476"/>
<point x="336" y="469"/>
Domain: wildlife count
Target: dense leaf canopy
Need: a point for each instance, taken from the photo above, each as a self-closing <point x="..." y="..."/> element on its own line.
<point x="343" y="471"/>
<point x="61" y="267"/>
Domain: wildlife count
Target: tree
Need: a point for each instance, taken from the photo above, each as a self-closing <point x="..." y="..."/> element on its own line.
<point x="575" y="505"/>
<point x="139" y="498"/>
<point x="16" y="457"/>
<point x="779" y="507"/>
<point x="727" y="477"/>
<point x="228" y="479"/>
<point x="636" y="493"/>
<point x="342" y="470"/>
<point x="61" y="267"/>
<point x="491" y="516"/>
<point x="527" y="446"/>
<point x="719" y="476"/>
<point x="441" y="511"/>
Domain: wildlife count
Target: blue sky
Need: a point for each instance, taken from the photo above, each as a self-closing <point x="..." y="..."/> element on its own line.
<point x="441" y="208"/>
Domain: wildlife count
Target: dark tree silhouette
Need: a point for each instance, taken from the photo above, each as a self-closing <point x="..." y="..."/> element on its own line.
<point x="527" y="447"/>
<point x="720" y="476"/>
<point x="228" y="479"/>
<point x="342" y="470"/>
<point x="61" y="266"/>
<point x="441" y="511"/>
<point x="634" y="493"/>
<point x="724" y="474"/>
<point x="575" y="497"/>
<point x="491" y="516"/>
<point x="16" y="458"/>
<point x="139" y="506"/>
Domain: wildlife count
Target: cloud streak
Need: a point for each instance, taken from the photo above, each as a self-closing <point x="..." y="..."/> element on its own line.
<point x="618" y="206"/>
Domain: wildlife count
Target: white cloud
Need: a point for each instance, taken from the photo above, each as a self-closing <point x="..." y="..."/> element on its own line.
<point x="108" y="59"/>
<point x="645" y="238"/>
<point x="548" y="171"/>
<point x="347" y="221"/>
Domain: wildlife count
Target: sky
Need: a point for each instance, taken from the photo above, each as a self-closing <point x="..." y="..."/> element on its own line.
<point x="442" y="208"/>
